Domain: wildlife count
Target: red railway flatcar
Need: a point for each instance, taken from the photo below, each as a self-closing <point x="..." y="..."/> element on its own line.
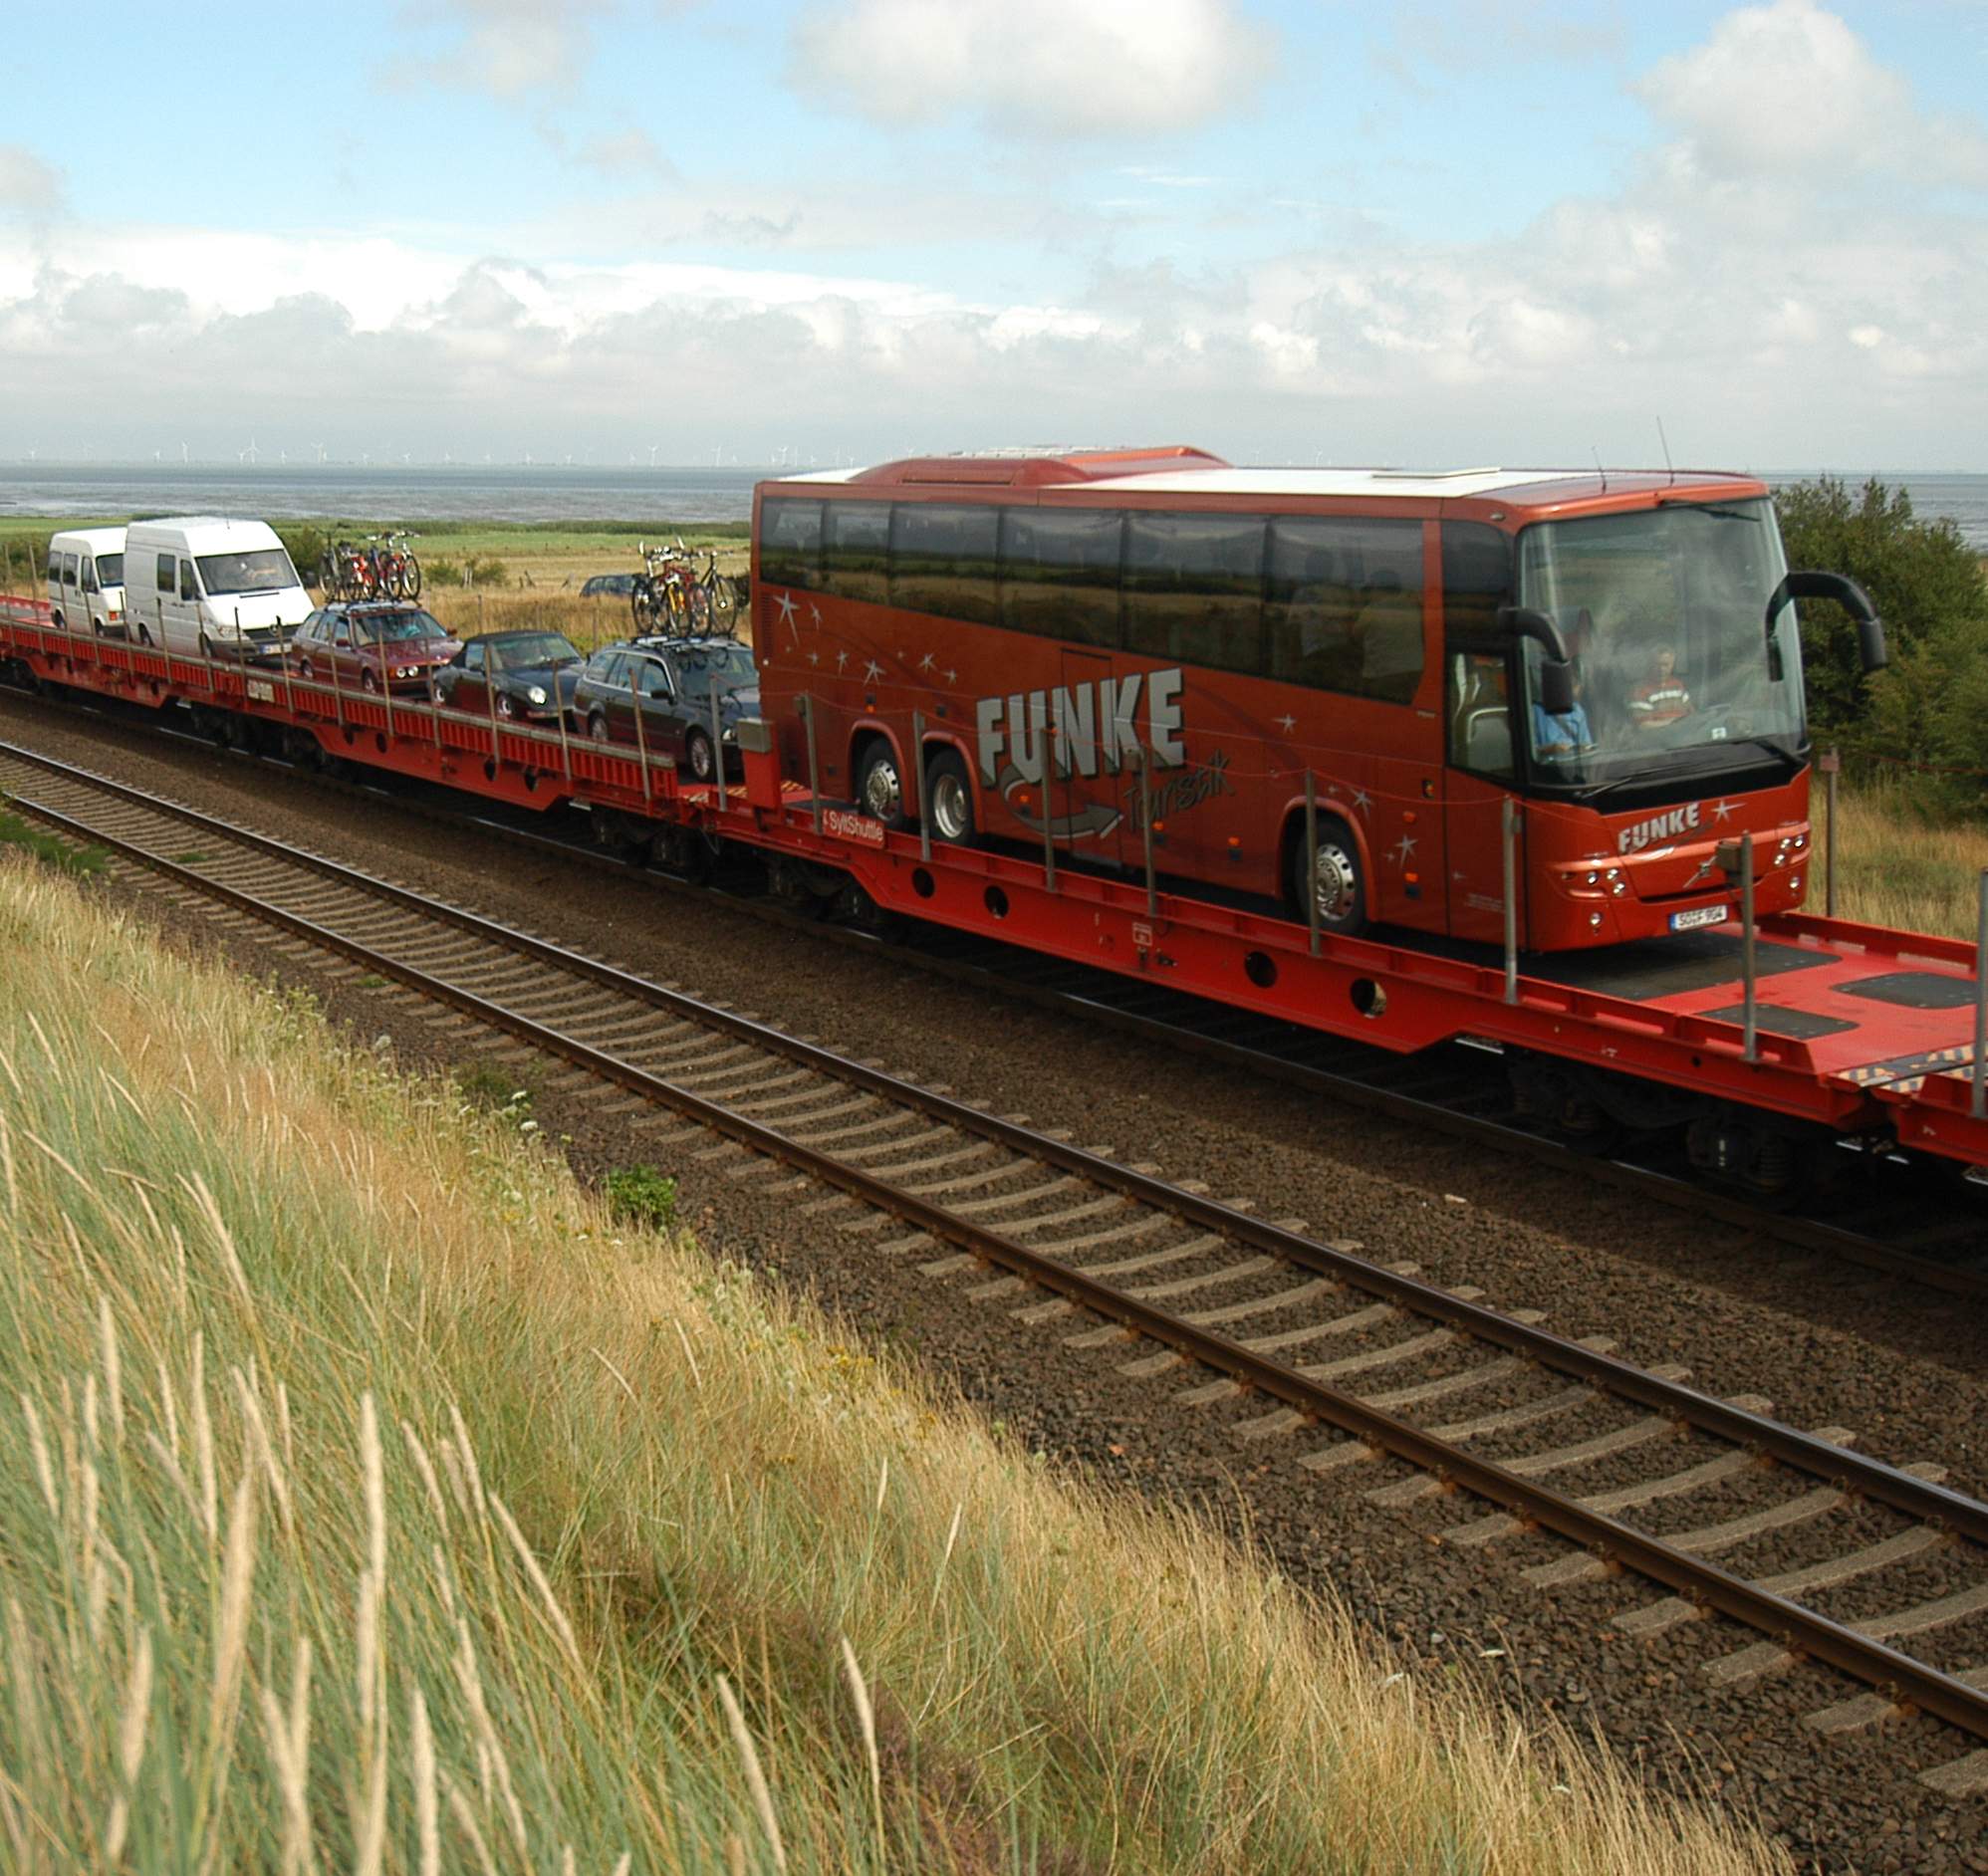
<point x="1057" y="649"/>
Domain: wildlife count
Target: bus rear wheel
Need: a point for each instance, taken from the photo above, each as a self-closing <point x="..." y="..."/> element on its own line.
<point x="950" y="799"/>
<point x="1335" y="881"/>
<point x="880" y="787"/>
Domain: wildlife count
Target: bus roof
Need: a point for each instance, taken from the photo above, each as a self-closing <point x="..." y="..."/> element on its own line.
<point x="1183" y="471"/>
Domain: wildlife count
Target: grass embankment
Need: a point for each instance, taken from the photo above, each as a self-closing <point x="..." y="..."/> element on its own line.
<point x="367" y="1501"/>
<point x="1898" y="869"/>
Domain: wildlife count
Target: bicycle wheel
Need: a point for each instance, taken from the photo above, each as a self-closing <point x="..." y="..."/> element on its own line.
<point x="720" y="594"/>
<point x="640" y="604"/>
<point x="410" y="577"/>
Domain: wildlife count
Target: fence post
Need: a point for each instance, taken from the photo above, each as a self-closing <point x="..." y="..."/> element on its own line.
<point x="1831" y="764"/>
<point x="1509" y="826"/>
<point x="1312" y="859"/>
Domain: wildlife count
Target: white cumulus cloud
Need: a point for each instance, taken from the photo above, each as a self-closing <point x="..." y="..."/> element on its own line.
<point x="27" y="184"/>
<point x="1038" y="68"/>
<point x="1789" y="86"/>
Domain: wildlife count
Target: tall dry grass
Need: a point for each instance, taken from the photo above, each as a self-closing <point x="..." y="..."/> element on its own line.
<point x="1895" y="867"/>
<point x="368" y="1502"/>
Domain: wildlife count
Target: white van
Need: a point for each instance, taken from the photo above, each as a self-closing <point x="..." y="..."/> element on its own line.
<point x="222" y="588"/>
<point x="86" y="580"/>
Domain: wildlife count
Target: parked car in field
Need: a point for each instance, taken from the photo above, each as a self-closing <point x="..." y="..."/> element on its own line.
<point x="675" y="681"/>
<point x="371" y="645"/>
<point x="86" y="579"/>
<point x="528" y="675"/>
<point x="608" y="586"/>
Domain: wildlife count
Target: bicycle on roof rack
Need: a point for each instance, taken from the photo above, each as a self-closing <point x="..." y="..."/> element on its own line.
<point x="383" y="569"/>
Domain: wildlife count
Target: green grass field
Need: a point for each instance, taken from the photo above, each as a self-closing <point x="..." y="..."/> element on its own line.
<point x="370" y="1500"/>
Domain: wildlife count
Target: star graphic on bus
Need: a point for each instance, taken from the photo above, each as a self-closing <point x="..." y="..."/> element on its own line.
<point x="814" y="613"/>
<point x="814" y="657"/>
<point x="928" y="663"/>
<point x="786" y="608"/>
<point x="1289" y="724"/>
<point x="1361" y="800"/>
<point x="1403" y="848"/>
<point x="871" y="671"/>
<point x="842" y="661"/>
<point x="1722" y="811"/>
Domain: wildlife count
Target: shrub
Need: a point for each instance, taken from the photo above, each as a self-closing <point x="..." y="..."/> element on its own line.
<point x="640" y="1195"/>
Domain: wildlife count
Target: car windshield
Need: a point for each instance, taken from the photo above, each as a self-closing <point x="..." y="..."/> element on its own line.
<point x="261" y="570"/>
<point x="1664" y="612"/>
<point x="111" y="568"/>
<point x="532" y="651"/>
<point x="398" y="628"/>
<point x="702" y="669"/>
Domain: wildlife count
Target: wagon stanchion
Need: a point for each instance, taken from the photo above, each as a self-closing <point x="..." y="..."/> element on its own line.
<point x="1736" y="857"/>
<point x="559" y="716"/>
<point x="718" y="747"/>
<point x="642" y="735"/>
<point x="1979" y="1103"/>
<point x="1831" y="764"/>
<point x="1145" y="827"/>
<point x="338" y="688"/>
<point x="917" y="766"/>
<point x="490" y="700"/>
<point x="1312" y="861"/>
<point x="1508" y="835"/>
<point x="814" y="760"/>
<point x="387" y="686"/>
<point x="1049" y="807"/>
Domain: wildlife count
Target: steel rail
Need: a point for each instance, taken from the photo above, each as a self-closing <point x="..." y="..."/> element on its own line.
<point x="1664" y="1187"/>
<point x="1899" y="1676"/>
<point x="1840" y="1466"/>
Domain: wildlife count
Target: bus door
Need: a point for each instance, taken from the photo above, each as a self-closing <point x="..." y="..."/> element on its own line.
<point x="1085" y="793"/>
<point x="1476" y="694"/>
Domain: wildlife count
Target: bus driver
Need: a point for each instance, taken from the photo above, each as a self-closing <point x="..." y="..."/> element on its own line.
<point x="1660" y="699"/>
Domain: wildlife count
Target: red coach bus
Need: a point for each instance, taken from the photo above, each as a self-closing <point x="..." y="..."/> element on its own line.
<point x="1099" y="639"/>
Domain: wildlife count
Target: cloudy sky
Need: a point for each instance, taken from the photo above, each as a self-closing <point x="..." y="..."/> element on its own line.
<point x="1287" y="230"/>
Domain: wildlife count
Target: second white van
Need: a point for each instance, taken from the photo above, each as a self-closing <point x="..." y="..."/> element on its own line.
<point x="219" y="587"/>
<point x="86" y="580"/>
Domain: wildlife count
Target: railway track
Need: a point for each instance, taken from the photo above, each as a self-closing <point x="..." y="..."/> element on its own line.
<point x="1887" y="1215"/>
<point x="1879" y="1572"/>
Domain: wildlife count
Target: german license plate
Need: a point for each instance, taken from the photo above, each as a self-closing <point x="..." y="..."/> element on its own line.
<point x="1700" y="915"/>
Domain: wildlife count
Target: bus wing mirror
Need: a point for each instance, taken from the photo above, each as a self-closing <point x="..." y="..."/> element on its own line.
<point x="1556" y="668"/>
<point x="1846" y="594"/>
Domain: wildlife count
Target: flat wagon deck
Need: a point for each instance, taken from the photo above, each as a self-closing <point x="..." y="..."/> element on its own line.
<point x="1858" y="1032"/>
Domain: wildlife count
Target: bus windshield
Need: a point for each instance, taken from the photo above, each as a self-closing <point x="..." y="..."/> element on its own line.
<point x="1664" y="614"/>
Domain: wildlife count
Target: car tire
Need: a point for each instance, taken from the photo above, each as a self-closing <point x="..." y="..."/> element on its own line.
<point x="368" y="683"/>
<point x="597" y="728"/>
<point x="1339" y="881"/>
<point x="949" y="800"/>
<point x="698" y="758"/>
<point x="506" y="704"/>
<point x="880" y="786"/>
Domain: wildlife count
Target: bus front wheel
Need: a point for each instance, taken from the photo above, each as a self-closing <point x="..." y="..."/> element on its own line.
<point x="1334" y="882"/>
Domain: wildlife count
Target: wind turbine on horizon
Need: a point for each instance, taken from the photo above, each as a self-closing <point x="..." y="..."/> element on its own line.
<point x="320" y="448"/>
<point x="248" y="455"/>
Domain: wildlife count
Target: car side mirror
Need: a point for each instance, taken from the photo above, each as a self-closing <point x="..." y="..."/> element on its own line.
<point x="1556" y="667"/>
<point x="1846" y="594"/>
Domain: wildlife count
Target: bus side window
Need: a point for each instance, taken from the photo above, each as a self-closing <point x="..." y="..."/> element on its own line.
<point x="855" y="551"/>
<point x="790" y="544"/>
<point x="1476" y="577"/>
<point x="1344" y="605"/>
<point x="1060" y="572"/>
<point x="168" y="575"/>
<point x="942" y="560"/>
<point x="1193" y="587"/>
